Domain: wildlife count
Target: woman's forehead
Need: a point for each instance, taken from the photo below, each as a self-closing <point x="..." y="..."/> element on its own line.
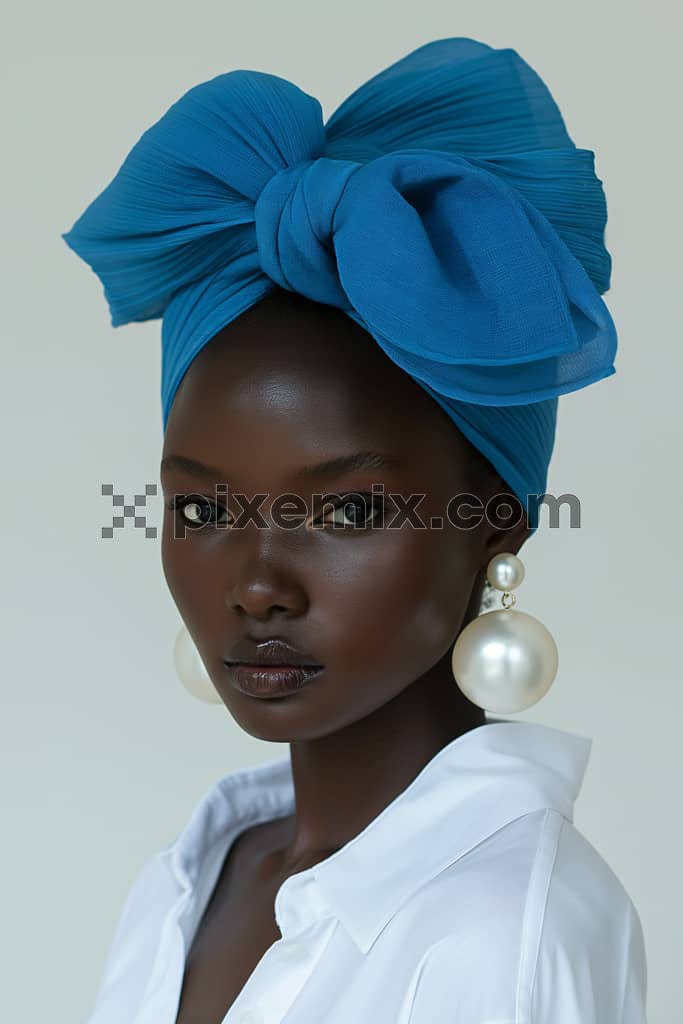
<point x="292" y="382"/>
<point x="298" y="359"/>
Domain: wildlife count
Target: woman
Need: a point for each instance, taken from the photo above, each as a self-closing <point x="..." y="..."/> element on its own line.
<point x="366" y="327"/>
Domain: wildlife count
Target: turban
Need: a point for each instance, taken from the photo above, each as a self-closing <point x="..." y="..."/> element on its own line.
<point x="442" y="206"/>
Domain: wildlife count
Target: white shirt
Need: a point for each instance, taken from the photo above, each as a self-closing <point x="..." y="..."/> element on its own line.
<point x="470" y="899"/>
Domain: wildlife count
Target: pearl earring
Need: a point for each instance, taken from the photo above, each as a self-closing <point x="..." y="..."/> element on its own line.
<point x="504" y="661"/>
<point x="191" y="670"/>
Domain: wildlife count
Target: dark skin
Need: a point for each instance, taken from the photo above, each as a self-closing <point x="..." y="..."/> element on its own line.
<point x="289" y="384"/>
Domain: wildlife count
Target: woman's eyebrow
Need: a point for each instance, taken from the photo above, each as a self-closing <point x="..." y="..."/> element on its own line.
<point x="330" y="467"/>
<point x="344" y="463"/>
<point x="183" y="464"/>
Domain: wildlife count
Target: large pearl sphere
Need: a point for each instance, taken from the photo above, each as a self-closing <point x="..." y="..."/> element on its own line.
<point x="505" y="571"/>
<point x="504" y="661"/>
<point x="191" y="670"/>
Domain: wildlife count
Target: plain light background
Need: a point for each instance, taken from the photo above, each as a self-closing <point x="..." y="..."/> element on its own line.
<point x="103" y="754"/>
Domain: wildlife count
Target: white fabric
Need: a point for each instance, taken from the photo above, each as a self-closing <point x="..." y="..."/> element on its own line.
<point x="471" y="899"/>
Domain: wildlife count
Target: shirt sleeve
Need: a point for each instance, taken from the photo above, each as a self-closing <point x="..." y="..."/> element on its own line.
<point x="635" y="974"/>
<point x="591" y="966"/>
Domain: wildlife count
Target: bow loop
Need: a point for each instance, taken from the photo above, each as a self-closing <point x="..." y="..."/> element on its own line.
<point x="494" y="286"/>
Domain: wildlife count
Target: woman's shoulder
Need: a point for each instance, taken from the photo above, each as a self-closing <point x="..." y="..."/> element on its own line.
<point x="133" y="945"/>
<point x="584" y="887"/>
<point x="537" y="911"/>
<point x="177" y="872"/>
<point x="590" y="938"/>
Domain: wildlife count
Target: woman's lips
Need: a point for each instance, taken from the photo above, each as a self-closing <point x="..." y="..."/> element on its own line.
<point x="272" y="680"/>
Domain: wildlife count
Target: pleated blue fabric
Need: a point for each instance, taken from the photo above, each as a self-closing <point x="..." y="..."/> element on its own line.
<point x="442" y="206"/>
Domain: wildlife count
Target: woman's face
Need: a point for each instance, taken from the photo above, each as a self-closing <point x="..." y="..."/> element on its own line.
<point x="288" y="386"/>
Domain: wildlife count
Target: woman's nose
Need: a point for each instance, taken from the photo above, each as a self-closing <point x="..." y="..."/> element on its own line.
<point x="264" y="579"/>
<point x="261" y="595"/>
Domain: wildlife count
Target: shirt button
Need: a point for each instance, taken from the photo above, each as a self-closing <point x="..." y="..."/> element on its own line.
<point x="249" y="1017"/>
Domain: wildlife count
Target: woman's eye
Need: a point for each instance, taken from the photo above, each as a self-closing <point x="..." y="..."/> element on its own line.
<point x="358" y="510"/>
<point x="197" y="512"/>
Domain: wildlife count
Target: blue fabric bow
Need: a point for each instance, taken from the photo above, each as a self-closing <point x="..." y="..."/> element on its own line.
<point x="443" y="207"/>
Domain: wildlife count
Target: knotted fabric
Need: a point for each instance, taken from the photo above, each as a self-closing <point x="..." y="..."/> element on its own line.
<point x="442" y="206"/>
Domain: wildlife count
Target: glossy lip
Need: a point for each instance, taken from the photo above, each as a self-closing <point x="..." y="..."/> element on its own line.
<point x="266" y="683"/>
<point x="273" y="652"/>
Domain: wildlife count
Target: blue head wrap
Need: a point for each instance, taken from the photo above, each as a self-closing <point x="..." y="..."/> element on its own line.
<point x="442" y="206"/>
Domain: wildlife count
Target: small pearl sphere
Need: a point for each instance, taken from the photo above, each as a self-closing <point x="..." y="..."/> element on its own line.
<point x="504" y="661"/>
<point x="505" y="571"/>
<point x="191" y="671"/>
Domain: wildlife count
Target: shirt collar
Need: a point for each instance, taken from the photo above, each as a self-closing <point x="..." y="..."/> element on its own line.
<point x="476" y="784"/>
<point x="472" y="787"/>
